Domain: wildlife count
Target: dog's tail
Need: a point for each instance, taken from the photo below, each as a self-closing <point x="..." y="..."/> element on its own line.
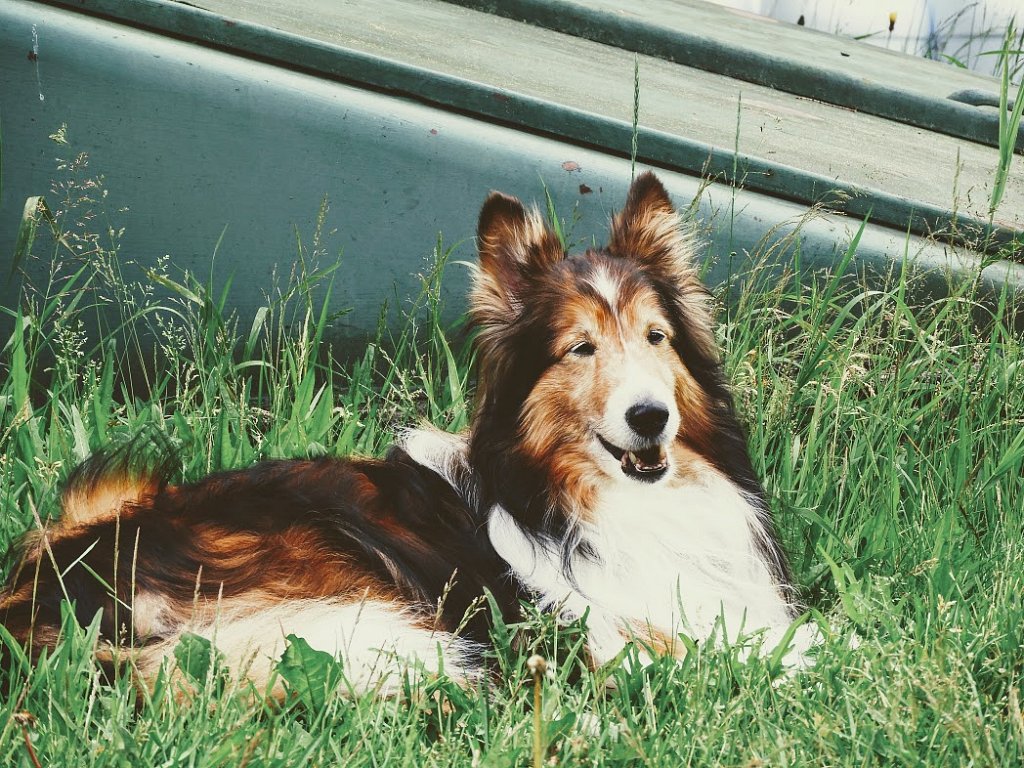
<point x="99" y="488"/>
<point x="106" y="487"/>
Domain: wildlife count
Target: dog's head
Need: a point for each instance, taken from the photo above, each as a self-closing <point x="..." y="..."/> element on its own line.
<point x="600" y="366"/>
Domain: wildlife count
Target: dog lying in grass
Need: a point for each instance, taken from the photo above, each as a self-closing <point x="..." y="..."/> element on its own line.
<point x="605" y="473"/>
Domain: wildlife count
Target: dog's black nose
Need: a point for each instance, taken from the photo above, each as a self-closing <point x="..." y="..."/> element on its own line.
<point x="647" y="419"/>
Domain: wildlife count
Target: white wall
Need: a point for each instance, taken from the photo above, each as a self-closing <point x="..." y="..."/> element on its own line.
<point x="955" y="28"/>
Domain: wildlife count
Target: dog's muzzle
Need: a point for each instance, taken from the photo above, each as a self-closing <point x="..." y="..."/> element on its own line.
<point x="645" y="464"/>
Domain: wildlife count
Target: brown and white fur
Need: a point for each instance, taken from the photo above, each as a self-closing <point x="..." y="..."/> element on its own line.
<point x="605" y="473"/>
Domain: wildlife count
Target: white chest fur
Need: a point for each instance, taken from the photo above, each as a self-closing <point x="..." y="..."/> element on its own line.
<point x="668" y="559"/>
<point x="674" y="559"/>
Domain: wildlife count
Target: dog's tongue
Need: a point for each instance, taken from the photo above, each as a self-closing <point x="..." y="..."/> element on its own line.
<point x="647" y="460"/>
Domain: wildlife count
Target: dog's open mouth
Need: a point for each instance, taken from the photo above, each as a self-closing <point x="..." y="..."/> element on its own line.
<point x="646" y="464"/>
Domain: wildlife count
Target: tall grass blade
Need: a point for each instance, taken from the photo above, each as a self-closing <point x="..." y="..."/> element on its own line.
<point x="1009" y="123"/>
<point x="35" y="208"/>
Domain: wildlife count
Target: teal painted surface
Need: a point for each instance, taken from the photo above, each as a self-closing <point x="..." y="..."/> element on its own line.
<point x="581" y="92"/>
<point x="206" y="148"/>
<point x="831" y="68"/>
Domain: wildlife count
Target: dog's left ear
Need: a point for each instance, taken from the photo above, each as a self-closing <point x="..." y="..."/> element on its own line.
<point x="649" y="231"/>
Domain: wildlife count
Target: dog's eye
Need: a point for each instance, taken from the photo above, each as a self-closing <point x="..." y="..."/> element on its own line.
<point x="582" y="349"/>
<point x="655" y="337"/>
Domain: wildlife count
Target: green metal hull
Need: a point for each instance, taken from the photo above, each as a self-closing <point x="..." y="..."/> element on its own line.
<point x="223" y="160"/>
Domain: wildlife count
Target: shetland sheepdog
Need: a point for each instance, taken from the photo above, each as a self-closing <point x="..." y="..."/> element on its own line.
<point x="605" y="473"/>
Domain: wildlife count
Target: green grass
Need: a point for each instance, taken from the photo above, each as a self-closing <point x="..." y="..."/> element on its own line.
<point x="1010" y="112"/>
<point x="889" y="430"/>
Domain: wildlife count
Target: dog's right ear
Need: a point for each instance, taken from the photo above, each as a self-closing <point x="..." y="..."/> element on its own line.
<point x="514" y="245"/>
